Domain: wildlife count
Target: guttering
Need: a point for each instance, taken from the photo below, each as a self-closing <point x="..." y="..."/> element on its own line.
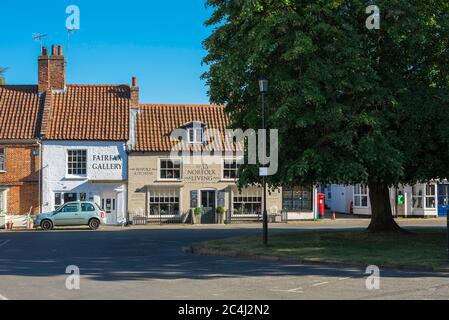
<point x="18" y="141"/>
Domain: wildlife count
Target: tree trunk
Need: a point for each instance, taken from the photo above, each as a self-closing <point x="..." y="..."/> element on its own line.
<point x="381" y="215"/>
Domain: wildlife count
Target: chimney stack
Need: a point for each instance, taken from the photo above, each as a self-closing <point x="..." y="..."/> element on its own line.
<point x="134" y="94"/>
<point x="51" y="70"/>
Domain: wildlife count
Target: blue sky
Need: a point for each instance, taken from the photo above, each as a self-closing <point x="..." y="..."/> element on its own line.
<point x="160" y="42"/>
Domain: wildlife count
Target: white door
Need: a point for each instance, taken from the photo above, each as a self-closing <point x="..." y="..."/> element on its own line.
<point x="109" y="205"/>
<point x="339" y="199"/>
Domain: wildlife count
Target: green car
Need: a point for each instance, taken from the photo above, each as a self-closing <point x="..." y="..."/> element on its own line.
<point x="72" y="214"/>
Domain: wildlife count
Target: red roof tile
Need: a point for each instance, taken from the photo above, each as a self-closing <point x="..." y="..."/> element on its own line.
<point x="20" y="108"/>
<point x="88" y="112"/>
<point x="155" y="124"/>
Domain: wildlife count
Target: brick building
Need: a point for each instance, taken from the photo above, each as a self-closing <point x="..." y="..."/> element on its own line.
<point x="20" y="113"/>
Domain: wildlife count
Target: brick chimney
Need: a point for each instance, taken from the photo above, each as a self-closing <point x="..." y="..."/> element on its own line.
<point x="51" y="70"/>
<point x="134" y="94"/>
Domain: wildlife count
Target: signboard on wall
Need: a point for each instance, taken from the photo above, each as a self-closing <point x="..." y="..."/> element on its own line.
<point x="201" y="174"/>
<point x="106" y="162"/>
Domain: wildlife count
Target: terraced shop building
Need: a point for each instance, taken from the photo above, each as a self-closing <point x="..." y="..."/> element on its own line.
<point x="164" y="187"/>
<point x="20" y="113"/>
<point x="84" y="133"/>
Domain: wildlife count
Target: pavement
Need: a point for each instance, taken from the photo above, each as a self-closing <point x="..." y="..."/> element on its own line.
<point x="148" y="262"/>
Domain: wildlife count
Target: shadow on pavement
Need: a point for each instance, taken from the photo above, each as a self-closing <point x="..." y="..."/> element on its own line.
<point x="148" y="255"/>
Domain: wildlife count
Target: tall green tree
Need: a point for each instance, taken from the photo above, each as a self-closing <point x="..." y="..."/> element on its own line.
<point x="352" y="105"/>
<point x="2" y="76"/>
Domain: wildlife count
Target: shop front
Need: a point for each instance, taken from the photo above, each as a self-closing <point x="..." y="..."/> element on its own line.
<point x="419" y="200"/>
<point x="160" y="187"/>
<point x="86" y="171"/>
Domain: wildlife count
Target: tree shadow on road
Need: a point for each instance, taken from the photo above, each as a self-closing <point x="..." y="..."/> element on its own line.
<point x="156" y="254"/>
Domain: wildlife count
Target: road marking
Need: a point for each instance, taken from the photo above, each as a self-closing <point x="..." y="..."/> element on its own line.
<point x="285" y="291"/>
<point x="3" y="298"/>
<point x="320" y="284"/>
<point x="342" y="279"/>
<point x="4" y="243"/>
<point x="295" y="290"/>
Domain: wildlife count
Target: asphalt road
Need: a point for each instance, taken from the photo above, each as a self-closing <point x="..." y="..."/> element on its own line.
<point x="149" y="263"/>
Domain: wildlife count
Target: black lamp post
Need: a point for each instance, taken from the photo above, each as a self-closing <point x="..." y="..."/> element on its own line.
<point x="263" y="88"/>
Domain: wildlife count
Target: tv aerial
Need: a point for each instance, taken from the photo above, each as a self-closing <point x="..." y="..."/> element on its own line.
<point x="39" y="37"/>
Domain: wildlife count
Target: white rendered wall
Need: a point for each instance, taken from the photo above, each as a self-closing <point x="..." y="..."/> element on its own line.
<point x="107" y="173"/>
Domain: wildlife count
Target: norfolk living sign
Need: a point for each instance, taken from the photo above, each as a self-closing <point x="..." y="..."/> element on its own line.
<point x="201" y="174"/>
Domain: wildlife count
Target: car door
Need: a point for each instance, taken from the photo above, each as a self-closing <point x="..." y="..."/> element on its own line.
<point x="68" y="215"/>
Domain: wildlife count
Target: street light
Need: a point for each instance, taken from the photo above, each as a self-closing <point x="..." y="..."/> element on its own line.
<point x="263" y="88"/>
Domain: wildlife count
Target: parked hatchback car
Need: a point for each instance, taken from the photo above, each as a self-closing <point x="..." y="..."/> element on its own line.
<point x="72" y="214"/>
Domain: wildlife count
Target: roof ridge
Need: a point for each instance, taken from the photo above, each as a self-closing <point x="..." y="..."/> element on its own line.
<point x="179" y="105"/>
<point x="97" y="85"/>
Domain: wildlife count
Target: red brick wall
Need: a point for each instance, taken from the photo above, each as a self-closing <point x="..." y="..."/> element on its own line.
<point x="21" y="179"/>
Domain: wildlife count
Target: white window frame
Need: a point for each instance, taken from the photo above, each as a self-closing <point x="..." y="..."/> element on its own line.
<point x="63" y="193"/>
<point x="247" y="194"/>
<point x="238" y="163"/>
<point x="3" y="159"/>
<point x="430" y="196"/>
<point x="417" y="196"/>
<point x="195" y="131"/>
<point x="424" y="196"/>
<point x="169" y="193"/>
<point x="3" y="203"/>
<point x="159" y="169"/>
<point x="359" y="193"/>
<point x="84" y="175"/>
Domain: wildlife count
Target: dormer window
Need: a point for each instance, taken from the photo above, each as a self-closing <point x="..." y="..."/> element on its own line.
<point x="195" y="132"/>
<point x="196" y="135"/>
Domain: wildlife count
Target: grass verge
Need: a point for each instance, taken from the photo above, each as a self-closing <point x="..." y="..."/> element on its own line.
<point x="420" y="250"/>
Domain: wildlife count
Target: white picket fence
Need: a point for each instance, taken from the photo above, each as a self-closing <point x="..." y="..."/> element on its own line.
<point x="19" y="221"/>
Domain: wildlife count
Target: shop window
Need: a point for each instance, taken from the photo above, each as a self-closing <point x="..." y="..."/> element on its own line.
<point x="230" y="169"/>
<point x="250" y="204"/>
<point x="297" y="199"/>
<point x="2" y="159"/>
<point x="77" y="162"/>
<point x="2" y="201"/>
<point x="430" y="196"/>
<point x="164" y="203"/>
<point x="58" y="200"/>
<point x="361" y="196"/>
<point x="70" y="197"/>
<point x="424" y="196"/>
<point x="170" y="169"/>
<point x="418" y="196"/>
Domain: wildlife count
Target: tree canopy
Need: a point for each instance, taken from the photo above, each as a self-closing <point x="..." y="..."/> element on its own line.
<point x="352" y="105"/>
<point x="2" y="76"/>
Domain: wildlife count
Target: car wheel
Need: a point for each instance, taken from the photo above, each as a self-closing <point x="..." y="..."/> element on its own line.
<point x="94" y="224"/>
<point x="46" y="225"/>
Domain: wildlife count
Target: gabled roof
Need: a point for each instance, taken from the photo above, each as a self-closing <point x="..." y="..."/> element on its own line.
<point x="20" y="110"/>
<point x="87" y="112"/>
<point x="156" y="122"/>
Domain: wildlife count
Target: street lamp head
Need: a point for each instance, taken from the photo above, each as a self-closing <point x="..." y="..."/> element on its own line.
<point x="263" y="85"/>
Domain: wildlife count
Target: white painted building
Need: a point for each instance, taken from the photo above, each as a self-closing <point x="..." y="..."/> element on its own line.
<point x="86" y="171"/>
<point x="420" y="200"/>
<point x="84" y="136"/>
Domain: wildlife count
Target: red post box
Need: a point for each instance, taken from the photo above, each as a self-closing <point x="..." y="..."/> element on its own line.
<point x="320" y="202"/>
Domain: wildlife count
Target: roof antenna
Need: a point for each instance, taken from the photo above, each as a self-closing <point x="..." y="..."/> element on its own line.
<point x="70" y="32"/>
<point x="39" y="37"/>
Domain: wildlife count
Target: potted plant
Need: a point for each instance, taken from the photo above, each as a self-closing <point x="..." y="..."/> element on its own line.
<point x="197" y="213"/>
<point x="220" y="215"/>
